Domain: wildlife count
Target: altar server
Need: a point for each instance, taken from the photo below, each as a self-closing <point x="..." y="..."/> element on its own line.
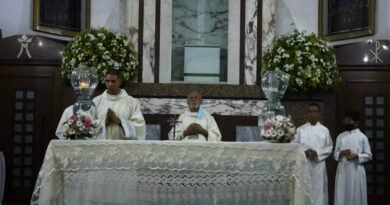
<point x="316" y="140"/>
<point x="65" y="116"/>
<point x="196" y="123"/>
<point x="119" y="114"/>
<point x="351" y="151"/>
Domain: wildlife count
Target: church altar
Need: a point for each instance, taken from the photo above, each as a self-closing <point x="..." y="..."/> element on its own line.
<point x="172" y="172"/>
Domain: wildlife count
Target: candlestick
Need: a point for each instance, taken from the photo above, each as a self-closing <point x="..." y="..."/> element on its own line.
<point x="84" y="85"/>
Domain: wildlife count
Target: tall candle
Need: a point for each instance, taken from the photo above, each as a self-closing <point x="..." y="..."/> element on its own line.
<point x="84" y="85"/>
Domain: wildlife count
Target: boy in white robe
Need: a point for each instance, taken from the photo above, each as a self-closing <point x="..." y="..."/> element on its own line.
<point x="316" y="139"/>
<point x="196" y="124"/>
<point x="351" y="151"/>
<point x="118" y="113"/>
<point x="65" y="116"/>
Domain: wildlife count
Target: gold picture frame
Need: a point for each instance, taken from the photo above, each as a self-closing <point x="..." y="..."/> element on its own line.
<point x="59" y="17"/>
<point x="340" y="20"/>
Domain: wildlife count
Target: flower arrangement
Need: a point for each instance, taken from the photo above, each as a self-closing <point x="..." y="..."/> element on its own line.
<point x="278" y="128"/>
<point x="100" y="49"/>
<point x="310" y="61"/>
<point x="80" y="126"/>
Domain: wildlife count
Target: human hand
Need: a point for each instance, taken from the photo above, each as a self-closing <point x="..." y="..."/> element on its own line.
<point x="352" y="157"/>
<point x="310" y="154"/>
<point x="200" y="130"/>
<point x="111" y="118"/>
<point x="194" y="129"/>
<point x="345" y="152"/>
<point x="313" y="154"/>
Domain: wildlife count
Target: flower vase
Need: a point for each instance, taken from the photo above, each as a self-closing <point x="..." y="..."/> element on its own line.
<point x="81" y="124"/>
<point x="274" y="85"/>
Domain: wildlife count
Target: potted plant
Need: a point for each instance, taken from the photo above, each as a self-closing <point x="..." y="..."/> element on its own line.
<point x="310" y="61"/>
<point x="100" y="49"/>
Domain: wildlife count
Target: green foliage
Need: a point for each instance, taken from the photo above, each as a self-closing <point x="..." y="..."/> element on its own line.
<point x="310" y="61"/>
<point x="102" y="50"/>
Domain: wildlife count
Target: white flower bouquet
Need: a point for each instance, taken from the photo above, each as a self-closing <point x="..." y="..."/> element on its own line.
<point x="278" y="128"/>
<point x="80" y="126"/>
<point x="102" y="50"/>
<point x="310" y="61"/>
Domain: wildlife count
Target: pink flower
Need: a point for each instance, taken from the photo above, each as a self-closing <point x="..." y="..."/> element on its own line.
<point x="73" y="117"/>
<point x="87" y="122"/>
<point x="278" y="128"/>
<point x="267" y="127"/>
<point x="80" y="126"/>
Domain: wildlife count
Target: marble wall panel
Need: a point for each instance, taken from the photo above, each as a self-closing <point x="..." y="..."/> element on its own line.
<point x="124" y="18"/>
<point x="213" y="106"/>
<point x="202" y="23"/>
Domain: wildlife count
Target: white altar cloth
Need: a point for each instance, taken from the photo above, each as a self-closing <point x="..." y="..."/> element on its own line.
<point x="166" y="172"/>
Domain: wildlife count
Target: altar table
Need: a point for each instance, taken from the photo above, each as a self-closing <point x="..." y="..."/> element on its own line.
<point x="172" y="172"/>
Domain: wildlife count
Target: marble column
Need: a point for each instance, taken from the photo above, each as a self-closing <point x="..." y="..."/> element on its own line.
<point x="251" y="29"/>
<point x="268" y="23"/>
<point x="149" y="32"/>
<point x="251" y="14"/>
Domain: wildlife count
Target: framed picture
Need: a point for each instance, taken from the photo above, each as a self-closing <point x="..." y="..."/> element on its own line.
<point x="61" y="17"/>
<point x="345" y="19"/>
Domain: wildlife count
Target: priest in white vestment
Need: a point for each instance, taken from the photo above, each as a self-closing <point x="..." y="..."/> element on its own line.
<point x="351" y="151"/>
<point x="196" y="124"/>
<point x="118" y="113"/>
<point x="316" y="140"/>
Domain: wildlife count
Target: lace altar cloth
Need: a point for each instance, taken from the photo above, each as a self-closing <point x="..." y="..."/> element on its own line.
<point x="166" y="172"/>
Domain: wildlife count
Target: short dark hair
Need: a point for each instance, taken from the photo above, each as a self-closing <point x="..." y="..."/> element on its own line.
<point x="313" y="104"/>
<point x="353" y="114"/>
<point x="114" y="72"/>
<point x="118" y="74"/>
